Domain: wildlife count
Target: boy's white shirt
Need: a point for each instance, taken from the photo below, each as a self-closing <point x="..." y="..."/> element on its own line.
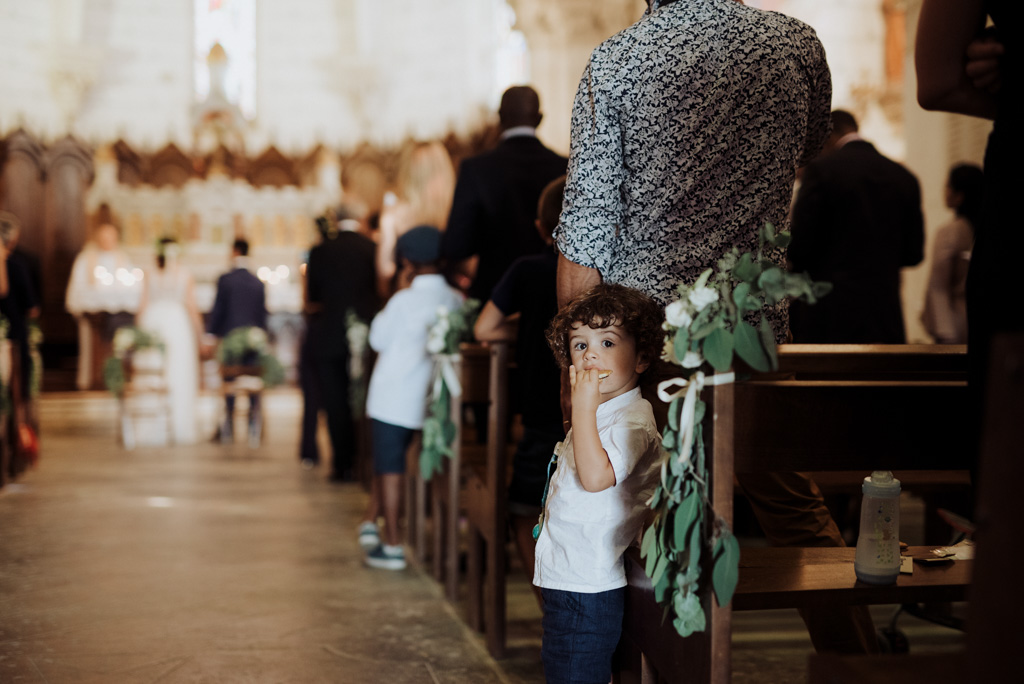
<point x="401" y="376"/>
<point x="585" y="533"/>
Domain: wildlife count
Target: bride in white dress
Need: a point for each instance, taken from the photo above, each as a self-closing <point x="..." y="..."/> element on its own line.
<point x="168" y="309"/>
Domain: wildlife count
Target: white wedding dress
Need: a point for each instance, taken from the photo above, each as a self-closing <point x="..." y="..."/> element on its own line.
<point x="165" y="314"/>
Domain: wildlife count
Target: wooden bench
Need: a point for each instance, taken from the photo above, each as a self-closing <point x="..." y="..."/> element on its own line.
<point x="444" y="487"/>
<point x="860" y="413"/>
<point x="994" y="613"/>
<point x="486" y="504"/>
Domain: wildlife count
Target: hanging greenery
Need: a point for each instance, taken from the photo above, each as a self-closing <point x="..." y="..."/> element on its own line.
<point x="248" y="342"/>
<point x="128" y="339"/>
<point x="712" y="320"/>
<point x="450" y="329"/>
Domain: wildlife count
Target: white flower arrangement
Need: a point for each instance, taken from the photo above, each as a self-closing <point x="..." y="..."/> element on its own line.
<point x="707" y="326"/>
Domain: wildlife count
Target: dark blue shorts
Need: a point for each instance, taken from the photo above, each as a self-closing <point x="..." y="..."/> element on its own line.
<point x="390" y="443"/>
<point x="581" y="632"/>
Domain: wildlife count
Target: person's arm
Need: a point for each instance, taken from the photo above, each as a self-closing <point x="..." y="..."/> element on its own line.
<point x="912" y="252"/>
<point x="492" y="325"/>
<point x="939" y="316"/>
<point x="819" y="102"/>
<point x="574" y="279"/>
<point x="592" y="463"/>
<point x="945" y="30"/>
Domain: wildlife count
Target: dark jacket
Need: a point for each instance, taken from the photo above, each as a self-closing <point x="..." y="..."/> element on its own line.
<point x="495" y="206"/>
<point x="856" y="222"/>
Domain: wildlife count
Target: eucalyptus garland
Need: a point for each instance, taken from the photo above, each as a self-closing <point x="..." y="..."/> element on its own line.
<point x="249" y="341"/>
<point x="128" y="339"/>
<point x="449" y="330"/>
<point x="712" y="321"/>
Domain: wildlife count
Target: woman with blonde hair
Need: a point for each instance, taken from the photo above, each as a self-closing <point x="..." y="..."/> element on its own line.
<point x="423" y="196"/>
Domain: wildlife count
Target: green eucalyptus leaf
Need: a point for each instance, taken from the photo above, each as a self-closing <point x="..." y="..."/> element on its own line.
<point x="709" y="327"/>
<point x="698" y="413"/>
<point x="647" y="542"/>
<point x="653" y="553"/>
<point x="746" y="270"/>
<point x="726" y="570"/>
<point x="739" y="295"/>
<point x="748" y="347"/>
<point x="659" y="570"/>
<point x="681" y="343"/>
<point x="703" y="279"/>
<point x="695" y="543"/>
<point x="669" y="440"/>
<point x="674" y="409"/>
<point x="663" y="584"/>
<point x="768" y="340"/>
<point x="687" y="513"/>
<point x="718" y="348"/>
<point x="782" y="239"/>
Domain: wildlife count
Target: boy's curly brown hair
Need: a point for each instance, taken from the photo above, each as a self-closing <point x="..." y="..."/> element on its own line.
<point x="605" y="305"/>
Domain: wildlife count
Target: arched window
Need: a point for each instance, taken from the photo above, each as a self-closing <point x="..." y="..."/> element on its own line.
<point x="232" y="25"/>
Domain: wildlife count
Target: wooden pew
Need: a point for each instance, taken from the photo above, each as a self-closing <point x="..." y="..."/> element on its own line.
<point x="864" y="418"/>
<point x="445" y="487"/>
<point x="486" y="503"/>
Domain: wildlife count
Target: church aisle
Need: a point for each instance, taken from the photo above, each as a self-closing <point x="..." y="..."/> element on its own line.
<point x="208" y="564"/>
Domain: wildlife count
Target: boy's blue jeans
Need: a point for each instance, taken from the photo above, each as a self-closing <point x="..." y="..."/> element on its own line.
<point x="581" y="632"/>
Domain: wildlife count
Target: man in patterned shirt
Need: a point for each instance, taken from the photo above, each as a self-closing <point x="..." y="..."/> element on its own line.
<point x="687" y="131"/>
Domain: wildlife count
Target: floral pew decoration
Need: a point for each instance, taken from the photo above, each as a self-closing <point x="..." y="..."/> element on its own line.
<point x="249" y="346"/>
<point x="135" y="346"/>
<point x="450" y="329"/>
<point x="712" y="321"/>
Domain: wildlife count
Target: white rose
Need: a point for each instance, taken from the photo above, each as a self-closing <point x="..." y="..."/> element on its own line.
<point x="692" y="360"/>
<point x="700" y="297"/>
<point x="256" y="338"/>
<point x="676" y="314"/>
<point x="435" y="343"/>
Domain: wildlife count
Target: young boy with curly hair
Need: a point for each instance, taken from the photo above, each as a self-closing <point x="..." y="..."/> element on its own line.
<point x="605" y="471"/>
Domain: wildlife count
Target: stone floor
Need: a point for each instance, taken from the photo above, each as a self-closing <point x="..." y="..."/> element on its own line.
<point x="229" y="564"/>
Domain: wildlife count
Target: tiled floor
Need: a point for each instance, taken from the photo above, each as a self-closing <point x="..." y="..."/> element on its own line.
<point x="225" y="564"/>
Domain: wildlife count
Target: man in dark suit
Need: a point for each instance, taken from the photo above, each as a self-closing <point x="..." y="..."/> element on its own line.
<point x="496" y="195"/>
<point x="240" y="302"/>
<point x="856" y="222"/>
<point x="340" y="278"/>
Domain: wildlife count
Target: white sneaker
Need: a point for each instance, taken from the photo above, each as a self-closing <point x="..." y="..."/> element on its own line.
<point x="386" y="557"/>
<point x="369" y="536"/>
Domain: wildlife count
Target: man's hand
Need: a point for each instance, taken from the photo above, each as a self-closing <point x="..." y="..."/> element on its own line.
<point x="982" y="67"/>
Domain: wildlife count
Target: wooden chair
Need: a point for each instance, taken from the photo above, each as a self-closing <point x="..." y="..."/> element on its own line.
<point x="486" y="504"/>
<point x="145" y="397"/>
<point x="247" y="380"/>
<point x="864" y="419"/>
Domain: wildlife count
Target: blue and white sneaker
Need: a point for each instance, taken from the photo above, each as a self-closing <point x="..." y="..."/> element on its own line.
<point x="369" y="536"/>
<point x="386" y="557"/>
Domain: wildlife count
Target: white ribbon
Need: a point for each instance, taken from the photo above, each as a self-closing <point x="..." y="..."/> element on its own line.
<point x="691" y="389"/>
<point x="444" y="369"/>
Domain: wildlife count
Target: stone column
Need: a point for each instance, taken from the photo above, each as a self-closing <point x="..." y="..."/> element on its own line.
<point x="561" y="34"/>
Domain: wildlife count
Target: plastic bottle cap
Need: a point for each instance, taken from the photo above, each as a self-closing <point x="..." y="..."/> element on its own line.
<point x="881" y="477"/>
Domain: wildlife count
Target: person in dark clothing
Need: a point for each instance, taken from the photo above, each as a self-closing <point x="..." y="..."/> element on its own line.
<point x="340" y="277"/>
<point x="240" y="302"/>
<point x="528" y="289"/>
<point x="496" y="195"/>
<point x="856" y="222"/>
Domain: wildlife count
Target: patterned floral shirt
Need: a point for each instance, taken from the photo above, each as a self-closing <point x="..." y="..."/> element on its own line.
<point x="687" y="130"/>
